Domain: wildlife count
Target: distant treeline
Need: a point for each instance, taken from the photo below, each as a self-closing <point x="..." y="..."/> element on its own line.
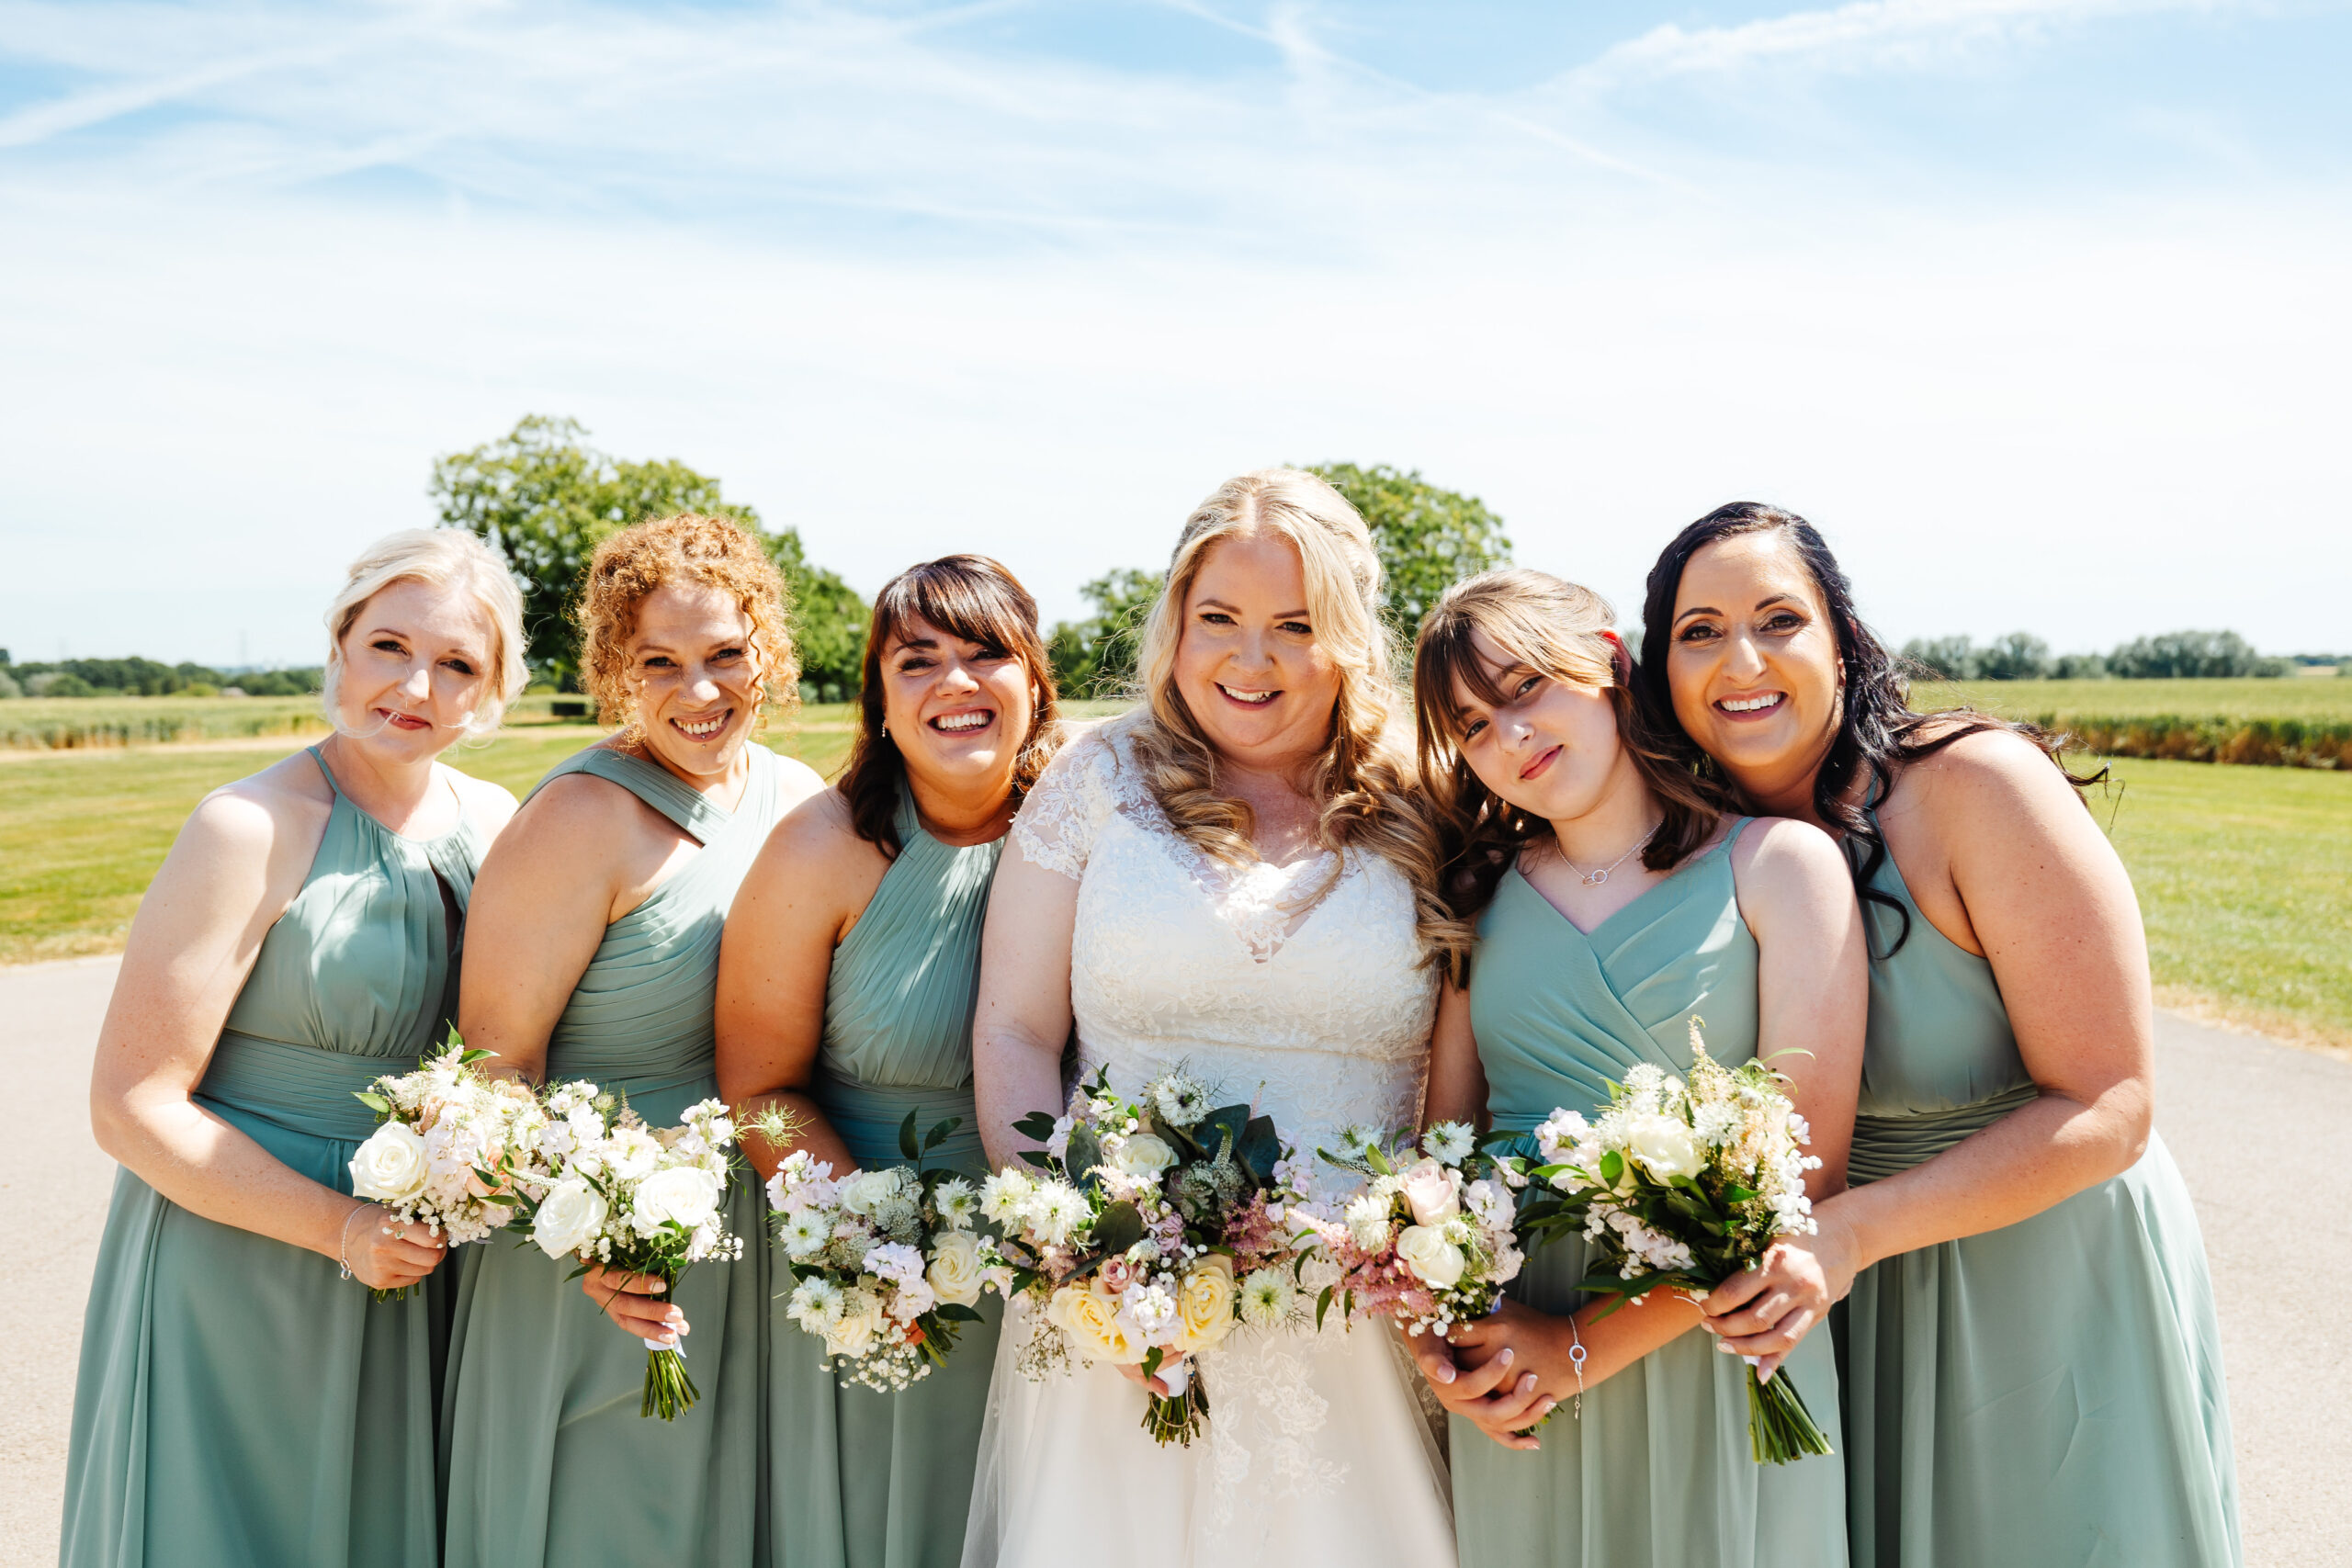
<point x="135" y="677"/>
<point x="2021" y="656"/>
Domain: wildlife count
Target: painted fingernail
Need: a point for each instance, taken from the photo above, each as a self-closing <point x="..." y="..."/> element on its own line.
<point x="1444" y="1372"/>
<point x="658" y="1286"/>
<point x="1724" y="1346"/>
<point x="1503" y="1360"/>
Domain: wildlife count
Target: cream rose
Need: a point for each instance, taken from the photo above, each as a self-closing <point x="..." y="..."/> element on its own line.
<point x="685" y="1194"/>
<point x="859" y="1324"/>
<point x="391" y="1167"/>
<point x="1429" y="1192"/>
<point x="1436" y="1261"/>
<point x="1090" y="1315"/>
<point x="955" y="1271"/>
<point x="1143" y="1155"/>
<point x="1205" y="1304"/>
<point x="569" y="1219"/>
<point x="1665" y="1146"/>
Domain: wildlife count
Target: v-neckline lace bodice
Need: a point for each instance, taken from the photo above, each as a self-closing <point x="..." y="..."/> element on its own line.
<point x="1320" y="1011"/>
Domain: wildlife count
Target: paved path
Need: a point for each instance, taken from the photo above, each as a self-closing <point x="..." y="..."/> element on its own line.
<point x="2257" y="1126"/>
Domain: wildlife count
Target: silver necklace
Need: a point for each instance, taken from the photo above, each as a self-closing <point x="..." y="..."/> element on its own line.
<point x="1601" y="878"/>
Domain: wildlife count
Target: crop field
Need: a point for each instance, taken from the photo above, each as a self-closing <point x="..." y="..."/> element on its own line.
<point x="2319" y="699"/>
<point x="2244" y="873"/>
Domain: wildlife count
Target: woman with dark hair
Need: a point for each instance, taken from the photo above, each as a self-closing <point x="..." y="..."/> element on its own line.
<point x="1599" y="898"/>
<point x="2031" y="1367"/>
<point x="845" y="997"/>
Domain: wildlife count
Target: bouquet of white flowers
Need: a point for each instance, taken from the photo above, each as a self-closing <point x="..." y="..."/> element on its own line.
<point x="1681" y="1182"/>
<point x="886" y="1260"/>
<point x="1428" y="1239"/>
<point x="452" y="1144"/>
<point x="637" y="1199"/>
<point x="1132" y="1234"/>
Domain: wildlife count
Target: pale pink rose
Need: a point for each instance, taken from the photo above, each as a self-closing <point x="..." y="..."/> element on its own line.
<point x="1117" y="1275"/>
<point x="1429" y="1192"/>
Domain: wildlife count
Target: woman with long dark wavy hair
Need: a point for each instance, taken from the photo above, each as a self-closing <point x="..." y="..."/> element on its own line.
<point x="2032" y="1370"/>
<point x="846" y="995"/>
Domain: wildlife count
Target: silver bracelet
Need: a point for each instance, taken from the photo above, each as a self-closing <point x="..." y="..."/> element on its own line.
<point x="344" y="1246"/>
<point x="1576" y="1362"/>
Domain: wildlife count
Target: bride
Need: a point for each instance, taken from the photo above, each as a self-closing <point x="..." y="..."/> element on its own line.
<point x="1224" y="878"/>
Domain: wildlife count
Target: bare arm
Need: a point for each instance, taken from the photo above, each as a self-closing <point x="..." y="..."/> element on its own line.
<point x="1457" y="1085"/>
<point x="1023" y="1017"/>
<point x="2051" y="906"/>
<point x="231" y="873"/>
<point x="545" y="894"/>
<point x="1813" y="1006"/>
<point x="793" y="908"/>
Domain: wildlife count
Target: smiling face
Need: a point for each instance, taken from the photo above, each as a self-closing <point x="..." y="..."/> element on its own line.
<point x="417" y="669"/>
<point x="1247" y="663"/>
<point x="959" y="711"/>
<point x="696" y="671"/>
<point x="1548" y="746"/>
<point x="1753" y="665"/>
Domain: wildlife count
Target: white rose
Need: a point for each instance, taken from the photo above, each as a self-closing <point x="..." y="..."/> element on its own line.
<point x="1143" y="1155"/>
<point x="391" y="1167"/>
<point x="569" y="1219"/>
<point x="685" y="1193"/>
<point x="855" y="1331"/>
<point x="1435" y="1260"/>
<point x="1665" y="1146"/>
<point x="869" y="1190"/>
<point x="955" y="1271"/>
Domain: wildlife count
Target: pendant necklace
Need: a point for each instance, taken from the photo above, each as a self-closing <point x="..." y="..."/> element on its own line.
<point x="1601" y="878"/>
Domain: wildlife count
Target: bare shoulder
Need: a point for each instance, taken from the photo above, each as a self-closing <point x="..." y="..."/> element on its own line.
<point x="1782" y="852"/>
<point x="491" y="805"/>
<point x="287" y="799"/>
<point x="1980" y="782"/>
<point x="578" y="809"/>
<point x="796" y="783"/>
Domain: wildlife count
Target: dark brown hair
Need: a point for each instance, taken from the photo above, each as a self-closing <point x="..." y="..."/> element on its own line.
<point x="1878" y="731"/>
<point x="966" y="597"/>
<point x="1563" y="631"/>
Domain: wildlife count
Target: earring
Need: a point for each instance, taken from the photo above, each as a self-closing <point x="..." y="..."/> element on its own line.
<point x="885" y="727"/>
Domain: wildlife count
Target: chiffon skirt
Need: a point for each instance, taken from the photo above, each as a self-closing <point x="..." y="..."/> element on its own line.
<point x="1317" y="1451"/>
<point x="2050" y="1393"/>
<point x="1657" y="1470"/>
<point x="240" y="1403"/>
<point x="548" y="1461"/>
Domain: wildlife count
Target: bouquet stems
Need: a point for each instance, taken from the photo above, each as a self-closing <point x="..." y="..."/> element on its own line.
<point x="668" y="1388"/>
<point x="1779" y="1428"/>
<point x="1177" y="1417"/>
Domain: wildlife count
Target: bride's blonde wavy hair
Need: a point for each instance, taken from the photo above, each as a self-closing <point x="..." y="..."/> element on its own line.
<point x="1365" y="777"/>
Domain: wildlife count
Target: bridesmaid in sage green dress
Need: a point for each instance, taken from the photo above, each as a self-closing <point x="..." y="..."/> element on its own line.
<point x="593" y="954"/>
<point x="2033" y="1367"/>
<point x="241" y="1397"/>
<point x="845" y="997"/>
<point x="1612" y="904"/>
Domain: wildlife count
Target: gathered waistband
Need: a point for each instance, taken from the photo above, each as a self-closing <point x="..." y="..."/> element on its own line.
<point x="1885" y="1145"/>
<point x="868" y="1116"/>
<point x="297" y="1087"/>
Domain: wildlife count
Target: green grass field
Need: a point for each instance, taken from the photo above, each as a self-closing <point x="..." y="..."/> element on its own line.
<point x="2244" y="873"/>
<point x="2321" y="699"/>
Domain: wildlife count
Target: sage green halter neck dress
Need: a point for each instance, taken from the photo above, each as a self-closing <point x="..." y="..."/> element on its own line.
<point x="2050" y="1393"/>
<point x="863" y="1479"/>
<point x="547" y="1459"/>
<point x="1659" y="1468"/>
<point x="239" y="1401"/>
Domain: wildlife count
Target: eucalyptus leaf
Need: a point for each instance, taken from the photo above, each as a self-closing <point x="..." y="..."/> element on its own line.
<point x="1118" y="1228"/>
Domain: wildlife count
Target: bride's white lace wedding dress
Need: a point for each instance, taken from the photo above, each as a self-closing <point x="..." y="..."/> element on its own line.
<point x="1317" y="1450"/>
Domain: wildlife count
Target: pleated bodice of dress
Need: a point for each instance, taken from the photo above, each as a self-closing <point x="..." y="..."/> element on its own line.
<point x="240" y="1402"/>
<point x="1657" y="1468"/>
<point x="639" y="1020"/>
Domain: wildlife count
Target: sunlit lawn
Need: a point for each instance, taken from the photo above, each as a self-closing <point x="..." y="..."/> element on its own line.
<point x="2244" y="873"/>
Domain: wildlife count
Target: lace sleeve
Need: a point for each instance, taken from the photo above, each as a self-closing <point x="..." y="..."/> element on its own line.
<point x="1056" y="826"/>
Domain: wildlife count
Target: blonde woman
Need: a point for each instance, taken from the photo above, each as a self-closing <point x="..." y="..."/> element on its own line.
<point x="1224" y="879"/>
<point x="594" y="954"/>
<point x="241" y="1398"/>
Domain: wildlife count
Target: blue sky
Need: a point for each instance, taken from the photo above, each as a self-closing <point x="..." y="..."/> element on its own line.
<point x="2036" y="306"/>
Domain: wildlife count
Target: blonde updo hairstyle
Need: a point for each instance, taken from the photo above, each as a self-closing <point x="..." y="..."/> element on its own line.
<point x="696" y="551"/>
<point x="1364" y="777"/>
<point x="448" y="558"/>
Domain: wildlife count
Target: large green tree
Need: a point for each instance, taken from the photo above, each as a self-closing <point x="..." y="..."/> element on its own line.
<point x="1427" y="539"/>
<point x="544" y="499"/>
